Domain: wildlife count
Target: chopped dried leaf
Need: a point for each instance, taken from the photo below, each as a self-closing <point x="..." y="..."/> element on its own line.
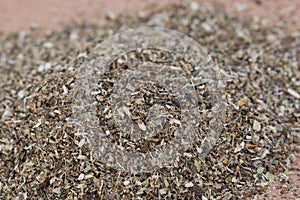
<point x="43" y="155"/>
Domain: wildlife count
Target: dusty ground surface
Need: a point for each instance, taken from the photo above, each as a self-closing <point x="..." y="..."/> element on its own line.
<point x="47" y="15"/>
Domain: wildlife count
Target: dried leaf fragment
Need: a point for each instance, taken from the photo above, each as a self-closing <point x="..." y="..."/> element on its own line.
<point x="197" y="165"/>
<point x="293" y="93"/>
<point x="270" y="176"/>
<point x="256" y="126"/>
<point x="163" y="191"/>
<point x="142" y="126"/>
<point x="81" y="177"/>
<point x="126" y="183"/>
<point x="234" y="180"/>
<point x="189" y="184"/>
<point x="126" y="110"/>
<point x="242" y="101"/>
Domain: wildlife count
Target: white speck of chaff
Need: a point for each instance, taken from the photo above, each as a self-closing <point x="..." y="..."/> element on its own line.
<point x="175" y="121"/>
<point x="126" y="110"/>
<point x="38" y="123"/>
<point x="81" y="157"/>
<point x="44" y="67"/>
<point x="256" y="126"/>
<point x="21" y="94"/>
<point x="126" y="183"/>
<point x="189" y="184"/>
<point x="206" y="27"/>
<point x="73" y="36"/>
<point x="293" y="93"/>
<point x="5" y="114"/>
<point x="65" y="90"/>
<point x="81" y="143"/>
<point x="81" y="177"/>
<point x="142" y="126"/>
<point x="240" y="147"/>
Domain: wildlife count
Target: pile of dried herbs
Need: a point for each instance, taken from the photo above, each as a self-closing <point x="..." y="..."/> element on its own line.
<point x="42" y="155"/>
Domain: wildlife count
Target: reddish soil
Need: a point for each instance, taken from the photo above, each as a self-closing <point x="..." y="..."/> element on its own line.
<point x="16" y="15"/>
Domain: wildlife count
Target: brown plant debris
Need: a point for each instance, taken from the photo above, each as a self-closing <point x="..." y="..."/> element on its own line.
<point x="41" y="154"/>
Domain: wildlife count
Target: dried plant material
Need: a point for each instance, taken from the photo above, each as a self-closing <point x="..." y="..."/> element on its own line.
<point x="81" y="143"/>
<point x="126" y="110"/>
<point x="189" y="184"/>
<point x="293" y="93"/>
<point x="198" y="166"/>
<point x="81" y="177"/>
<point x="142" y="126"/>
<point x="270" y="176"/>
<point x="256" y="125"/>
<point x="234" y="180"/>
<point x="163" y="191"/>
<point x="239" y="147"/>
<point x="126" y="183"/>
<point x="242" y="101"/>
<point x="42" y="155"/>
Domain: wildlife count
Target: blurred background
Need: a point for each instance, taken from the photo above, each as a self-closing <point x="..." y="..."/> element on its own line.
<point x="45" y="15"/>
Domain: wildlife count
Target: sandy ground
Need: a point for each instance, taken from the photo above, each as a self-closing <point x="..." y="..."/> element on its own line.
<point x="47" y="15"/>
